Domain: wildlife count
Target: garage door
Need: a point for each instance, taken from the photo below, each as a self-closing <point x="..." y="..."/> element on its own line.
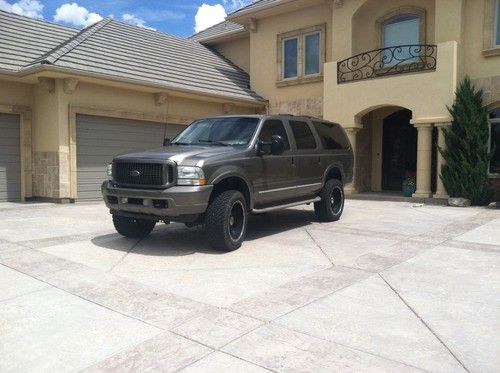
<point x="99" y="139"/>
<point x="10" y="158"/>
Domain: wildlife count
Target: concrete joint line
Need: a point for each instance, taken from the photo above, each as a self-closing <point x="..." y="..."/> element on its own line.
<point x="424" y="323"/>
<point x="124" y="256"/>
<point x="319" y="247"/>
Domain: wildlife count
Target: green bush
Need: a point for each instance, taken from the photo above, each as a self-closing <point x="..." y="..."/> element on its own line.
<point x="465" y="173"/>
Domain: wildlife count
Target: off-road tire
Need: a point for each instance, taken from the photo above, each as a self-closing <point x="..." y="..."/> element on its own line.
<point x="133" y="228"/>
<point x="332" y="201"/>
<point x="221" y="233"/>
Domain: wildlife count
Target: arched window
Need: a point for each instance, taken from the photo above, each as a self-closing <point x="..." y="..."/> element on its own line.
<point x="494" y="144"/>
<point x="401" y="30"/>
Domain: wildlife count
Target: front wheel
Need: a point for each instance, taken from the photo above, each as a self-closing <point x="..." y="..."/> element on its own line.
<point x="332" y="201"/>
<point x="133" y="228"/>
<point x="226" y="221"/>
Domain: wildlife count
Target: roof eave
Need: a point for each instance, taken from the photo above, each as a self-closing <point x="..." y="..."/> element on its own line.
<point x="223" y="37"/>
<point x="227" y="97"/>
<point x="253" y="10"/>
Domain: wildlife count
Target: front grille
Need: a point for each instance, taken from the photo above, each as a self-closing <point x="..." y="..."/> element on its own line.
<point x="147" y="174"/>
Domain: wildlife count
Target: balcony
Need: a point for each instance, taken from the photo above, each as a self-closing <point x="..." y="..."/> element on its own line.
<point x="411" y="76"/>
<point x="402" y="59"/>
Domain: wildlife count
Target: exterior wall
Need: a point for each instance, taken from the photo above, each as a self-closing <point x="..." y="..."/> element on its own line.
<point x="51" y="108"/>
<point x="365" y="31"/>
<point x="307" y="98"/>
<point x="237" y="51"/>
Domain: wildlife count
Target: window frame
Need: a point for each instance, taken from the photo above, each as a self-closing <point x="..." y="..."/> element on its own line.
<point x="496" y="24"/>
<point x="283" y="60"/>
<point x="301" y="77"/>
<point x="304" y="53"/>
<point x="403" y="11"/>
<point x="492" y="121"/>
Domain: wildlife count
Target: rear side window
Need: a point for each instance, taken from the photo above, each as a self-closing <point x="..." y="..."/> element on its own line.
<point x="303" y="135"/>
<point x="332" y="136"/>
<point x="274" y="127"/>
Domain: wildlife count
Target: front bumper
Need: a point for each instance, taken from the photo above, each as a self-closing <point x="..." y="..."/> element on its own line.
<point x="171" y="202"/>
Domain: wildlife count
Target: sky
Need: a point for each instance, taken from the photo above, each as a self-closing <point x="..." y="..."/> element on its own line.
<point x="177" y="17"/>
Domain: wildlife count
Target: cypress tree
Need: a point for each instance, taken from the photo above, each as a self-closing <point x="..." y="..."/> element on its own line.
<point x="465" y="173"/>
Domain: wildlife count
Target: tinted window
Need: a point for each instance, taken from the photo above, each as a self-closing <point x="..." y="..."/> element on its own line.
<point x="271" y="128"/>
<point x="304" y="138"/>
<point x="331" y="135"/>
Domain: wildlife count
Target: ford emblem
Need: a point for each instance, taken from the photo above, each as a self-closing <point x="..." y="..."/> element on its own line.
<point x="135" y="173"/>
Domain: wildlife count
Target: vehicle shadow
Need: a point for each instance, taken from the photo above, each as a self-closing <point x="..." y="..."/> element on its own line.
<point x="178" y="240"/>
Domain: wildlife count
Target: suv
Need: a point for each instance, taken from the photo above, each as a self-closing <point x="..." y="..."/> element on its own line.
<point x="219" y="170"/>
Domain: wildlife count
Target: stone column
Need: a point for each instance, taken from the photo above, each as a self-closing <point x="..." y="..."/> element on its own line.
<point x="352" y="131"/>
<point x="424" y="160"/>
<point x="440" y="190"/>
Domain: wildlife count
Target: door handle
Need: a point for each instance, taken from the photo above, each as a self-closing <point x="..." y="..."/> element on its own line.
<point x="293" y="161"/>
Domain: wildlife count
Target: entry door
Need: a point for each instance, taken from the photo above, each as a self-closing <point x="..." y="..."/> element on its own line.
<point x="10" y="158"/>
<point x="99" y="139"/>
<point x="274" y="176"/>
<point x="399" y="150"/>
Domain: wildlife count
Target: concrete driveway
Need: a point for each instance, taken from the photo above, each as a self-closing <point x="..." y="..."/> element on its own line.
<point x="390" y="287"/>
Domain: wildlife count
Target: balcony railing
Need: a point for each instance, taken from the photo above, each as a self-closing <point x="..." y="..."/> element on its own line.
<point x="382" y="62"/>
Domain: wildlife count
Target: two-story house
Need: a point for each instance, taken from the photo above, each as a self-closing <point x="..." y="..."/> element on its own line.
<point x="385" y="69"/>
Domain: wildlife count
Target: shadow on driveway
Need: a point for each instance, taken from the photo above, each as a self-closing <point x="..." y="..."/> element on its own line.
<point x="178" y="240"/>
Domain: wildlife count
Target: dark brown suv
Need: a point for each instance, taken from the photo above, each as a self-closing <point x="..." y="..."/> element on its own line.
<point x="219" y="170"/>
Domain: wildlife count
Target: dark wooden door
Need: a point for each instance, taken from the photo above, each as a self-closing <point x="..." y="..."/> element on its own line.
<point x="399" y="153"/>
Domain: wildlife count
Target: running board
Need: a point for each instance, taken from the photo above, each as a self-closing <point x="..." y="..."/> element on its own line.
<point x="281" y="207"/>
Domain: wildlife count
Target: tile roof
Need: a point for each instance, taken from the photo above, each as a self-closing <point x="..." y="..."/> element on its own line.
<point x="224" y="28"/>
<point x="23" y="39"/>
<point x="255" y="5"/>
<point x="122" y="51"/>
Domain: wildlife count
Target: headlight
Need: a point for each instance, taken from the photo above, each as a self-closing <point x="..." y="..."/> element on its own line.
<point x="109" y="170"/>
<point x="189" y="175"/>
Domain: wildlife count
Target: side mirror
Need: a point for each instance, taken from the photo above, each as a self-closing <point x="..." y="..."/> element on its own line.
<point x="277" y="145"/>
<point x="166" y="141"/>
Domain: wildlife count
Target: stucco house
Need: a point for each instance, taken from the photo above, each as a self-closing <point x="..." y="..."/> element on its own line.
<point x="384" y="69"/>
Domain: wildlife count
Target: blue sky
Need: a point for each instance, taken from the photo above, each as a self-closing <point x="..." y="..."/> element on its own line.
<point x="178" y="17"/>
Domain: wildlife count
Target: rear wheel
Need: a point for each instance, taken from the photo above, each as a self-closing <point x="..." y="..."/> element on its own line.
<point x="332" y="201"/>
<point x="226" y="221"/>
<point x="132" y="227"/>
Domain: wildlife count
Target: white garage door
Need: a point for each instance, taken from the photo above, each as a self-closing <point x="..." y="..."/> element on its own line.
<point x="10" y="158"/>
<point x="99" y="139"/>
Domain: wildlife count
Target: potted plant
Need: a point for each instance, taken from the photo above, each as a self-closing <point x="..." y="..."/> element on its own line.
<point x="409" y="184"/>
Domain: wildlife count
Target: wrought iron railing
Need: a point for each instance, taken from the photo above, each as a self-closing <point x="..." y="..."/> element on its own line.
<point x="401" y="59"/>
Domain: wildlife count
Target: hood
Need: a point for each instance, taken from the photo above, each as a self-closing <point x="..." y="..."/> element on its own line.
<point x="181" y="154"/>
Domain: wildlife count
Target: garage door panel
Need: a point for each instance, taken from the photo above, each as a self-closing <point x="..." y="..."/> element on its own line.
<point x="99" y="140"/>
<point x="10" y="158"/>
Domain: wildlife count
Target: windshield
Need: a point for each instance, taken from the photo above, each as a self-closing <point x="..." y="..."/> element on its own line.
<point x="218" y="131"/>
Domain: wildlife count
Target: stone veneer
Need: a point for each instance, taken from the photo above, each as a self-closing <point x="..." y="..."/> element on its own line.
<point x="491" y="88"/>
<point x="49" y="179"/>
<point x="307" y="106"/>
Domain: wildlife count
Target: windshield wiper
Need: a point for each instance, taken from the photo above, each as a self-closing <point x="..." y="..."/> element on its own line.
<point x="180" y="143"/>
<point x="214" y="142"/>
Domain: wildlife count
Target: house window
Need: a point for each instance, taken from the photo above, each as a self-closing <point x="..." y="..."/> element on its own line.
<point x="400" y="30"/>
<point x="290" y="58"/>
<point x="497" y="24"/>
<point x="494" y="144"/>
<point x="312" y="53"/>
<point x="301" y="55"/>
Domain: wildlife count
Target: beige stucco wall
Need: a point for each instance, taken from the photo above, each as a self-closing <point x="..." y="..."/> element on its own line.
<point x="237" y="51"/>
<point x="366" y="34"/>
<point x="297" y="99"/>
<point x="54" y="109"/>
<point x="426" y="94"/>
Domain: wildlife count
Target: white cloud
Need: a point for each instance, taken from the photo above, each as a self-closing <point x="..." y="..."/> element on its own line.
<point x="134" y="20"/>
<point x="208" y="15"/>
<point x="76" y="15"/>
<point x="28" y="8"/>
